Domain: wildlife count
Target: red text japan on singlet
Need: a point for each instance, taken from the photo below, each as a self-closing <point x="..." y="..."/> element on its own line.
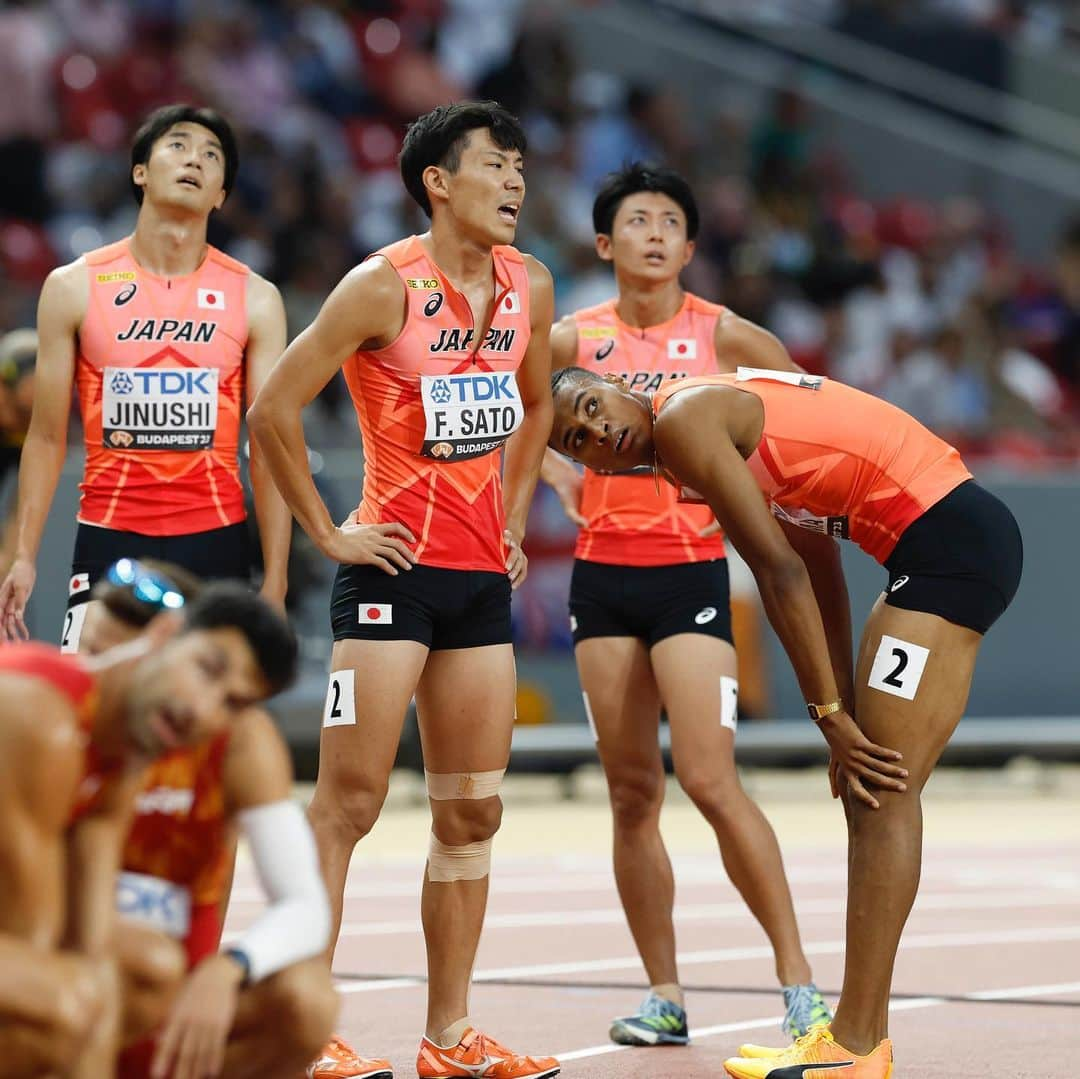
<point x="838" y="461"/>
<point x="160" y="379"/>
<point x="435" y="407"/>
<point x="630" y="523"/>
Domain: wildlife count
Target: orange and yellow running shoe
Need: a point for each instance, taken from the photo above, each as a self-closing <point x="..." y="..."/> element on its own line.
<point x="480" y="1057"/>
<point x="749" y="1049"/>
<point x="339" y="1060"/>
<point x="815" y="1056"/>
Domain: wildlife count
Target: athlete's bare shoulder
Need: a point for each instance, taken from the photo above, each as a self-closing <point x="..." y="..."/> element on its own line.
<point x="371" y="300"/>
<point x="742" y="343"/>
<point x="564" y="342"/>
<point x="263" y="297"/>
<point x="258" y="769"/>
<point x="41" y="745"/>
<point x="65" y="293"/>
<point x="539" y="274"/>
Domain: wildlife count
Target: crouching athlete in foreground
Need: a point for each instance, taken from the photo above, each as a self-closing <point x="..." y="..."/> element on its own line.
<point x="833" y="462"/>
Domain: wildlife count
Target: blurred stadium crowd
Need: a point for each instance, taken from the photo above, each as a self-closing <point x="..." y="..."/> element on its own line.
<point x="927" y="305"/>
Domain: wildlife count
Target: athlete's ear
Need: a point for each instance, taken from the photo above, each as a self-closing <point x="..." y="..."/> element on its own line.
<point x="223" y="195"/>
<point x="688" y="253"/>
<point x="138" y="175"/>
<point x="434" y="180"/>
<point x="603" y="247"/>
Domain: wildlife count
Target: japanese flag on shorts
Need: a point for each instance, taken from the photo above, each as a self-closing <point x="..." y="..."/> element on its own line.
<point x="682" y="348"/>
<point x="212" y="298"/>
<point x="375" y="614"/>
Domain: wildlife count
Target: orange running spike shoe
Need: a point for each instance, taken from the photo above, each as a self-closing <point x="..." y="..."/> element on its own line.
<point x="749" y="1049"/>
<point x="480" y="1057"/>
<point x="815" y="1056"/>
<point x="339" y="1060"/>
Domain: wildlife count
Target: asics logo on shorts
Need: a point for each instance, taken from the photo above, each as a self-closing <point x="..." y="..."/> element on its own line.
<point x="706" y="614"/>
<point x="899" y="583"/>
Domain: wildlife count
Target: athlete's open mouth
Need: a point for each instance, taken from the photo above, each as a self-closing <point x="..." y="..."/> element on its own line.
<point x="656" y="258"/>
<point x="171" y="728"/>
<point x="622" y="439"/>
<point x="190" y="181"/>
<point x="509" y="211"/>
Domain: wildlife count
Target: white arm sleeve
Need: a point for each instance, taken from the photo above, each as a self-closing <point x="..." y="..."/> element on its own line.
<point x="296" y="925"/>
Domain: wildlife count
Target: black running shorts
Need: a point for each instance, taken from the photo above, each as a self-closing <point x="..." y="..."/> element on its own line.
<point x="650" y="602"/>
<point x="960" y="560"/>
<point x="442" y="608"/>
<point x="214" y="555"/>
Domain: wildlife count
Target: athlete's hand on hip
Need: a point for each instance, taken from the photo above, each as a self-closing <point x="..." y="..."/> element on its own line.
<point x="384" y="546"/>
<point x="14" y="596"/>
<point x="192" y="1043"/>
<point x="517" y="562"/>
<point x="569" y="487"/>
<point x="857" y="761"/>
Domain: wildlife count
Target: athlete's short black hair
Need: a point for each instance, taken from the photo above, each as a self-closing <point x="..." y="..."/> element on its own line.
<point x="438" y="137"/>
<point x="638" y="176"/>
<point x="161" y="120"/>
<point x="229" y="604"/>
<point x="569" y="377"/>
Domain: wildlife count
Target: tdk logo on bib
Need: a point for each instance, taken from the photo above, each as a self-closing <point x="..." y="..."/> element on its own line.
<point x="157" y="903"/>
<point x="468" y="415"/>
<point x="159" y="408"/>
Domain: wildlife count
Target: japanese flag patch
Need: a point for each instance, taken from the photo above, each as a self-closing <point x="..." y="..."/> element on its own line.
<point x="682" y="348"/>
<point x="211" y="298"/>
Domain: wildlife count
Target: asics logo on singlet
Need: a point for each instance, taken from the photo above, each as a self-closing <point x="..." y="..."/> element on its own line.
<point x="125" y="294"/>
<point x="435" y="302"/>
<point x="706" y="614"/>
<point x="899" y="583"/>
<point x="605" y="350"/>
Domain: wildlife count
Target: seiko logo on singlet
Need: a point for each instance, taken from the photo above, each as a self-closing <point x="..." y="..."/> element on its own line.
<point x="159" y="409"/>
<point x="169" y="329"/>
<point x="458" y="340"/>
<point x="172" y="801"/>
<point x="468" y="415"/>
<point x="154" y="902"/>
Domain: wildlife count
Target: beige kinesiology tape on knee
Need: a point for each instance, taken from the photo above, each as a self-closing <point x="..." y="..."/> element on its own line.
<point x="470" y="862"/>
<point x="448" y="786"/>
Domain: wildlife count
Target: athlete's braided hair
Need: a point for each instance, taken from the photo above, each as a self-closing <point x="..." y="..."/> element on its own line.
<point x="569" y="377"/>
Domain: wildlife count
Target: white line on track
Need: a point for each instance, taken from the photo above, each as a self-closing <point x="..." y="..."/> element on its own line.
<point x="721" y="955"/>
<point x="1019" y="992"/>
<point x="697" y="912"/>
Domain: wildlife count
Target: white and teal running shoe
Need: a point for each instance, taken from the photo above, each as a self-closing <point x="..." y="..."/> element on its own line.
<point x="659" y="1022"/>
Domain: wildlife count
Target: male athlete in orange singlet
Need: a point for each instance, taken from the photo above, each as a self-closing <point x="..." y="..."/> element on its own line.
<point x="444" y="342"/>
<point x="165" y="338"/>
<point x="834" y="462"/>
<point x="74" y="741"/>
<point x="650" y="608"/>
<point x="269" y="997"/>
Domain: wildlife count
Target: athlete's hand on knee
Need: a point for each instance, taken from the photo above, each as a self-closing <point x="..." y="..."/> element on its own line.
<point x="14" y="596"/>
<point x="385" y="546"/>
<point x="858" y="759"/>
<point x="192" y="1045"/>
<point x="517" y="562"/>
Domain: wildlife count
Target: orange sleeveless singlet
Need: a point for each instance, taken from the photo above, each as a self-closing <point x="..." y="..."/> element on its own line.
<point x="160" y="381"/>
<point x="175" y="860"/>
<point x="435" y="407"/>
<point x="839" y="461"/>
<point x="629" y="522"/>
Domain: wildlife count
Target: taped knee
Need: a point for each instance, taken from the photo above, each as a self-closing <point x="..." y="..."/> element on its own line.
<point x="449" y="786"/>
<point x="469" y="862"/>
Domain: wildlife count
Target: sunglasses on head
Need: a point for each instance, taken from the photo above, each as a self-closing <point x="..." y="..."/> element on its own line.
<point x="146" y="586"/>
